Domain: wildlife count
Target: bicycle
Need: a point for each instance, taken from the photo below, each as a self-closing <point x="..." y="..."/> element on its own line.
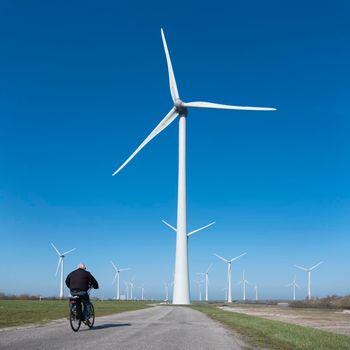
<point x="76" y="314"/>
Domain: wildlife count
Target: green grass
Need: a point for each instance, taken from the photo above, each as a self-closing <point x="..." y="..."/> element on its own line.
<point x="21" y="312"/>
<point x="275" y="334"/>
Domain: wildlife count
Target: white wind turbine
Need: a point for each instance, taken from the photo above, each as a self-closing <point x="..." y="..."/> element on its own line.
<point x="256" y="292"/>
<point x="308" y="270"/>
<point x="131" y="287"/>
<point x="229" y="262"/>
<point x="294" y="285"/>
<point x="142" y="291"/>
<point x="61" y="263"/>
<point x="199" y="284"/>
<point x="244" y="282"/>
<point x="180" y="108"/>
<point x="206" y="274"/>
<point x="117" y="278"/>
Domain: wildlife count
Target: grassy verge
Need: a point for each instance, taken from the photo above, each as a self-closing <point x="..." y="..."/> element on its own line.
<point x="20" y="312"/>
<point x="275" y="334"/>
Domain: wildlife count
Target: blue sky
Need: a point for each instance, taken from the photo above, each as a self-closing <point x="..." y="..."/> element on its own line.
<point x="82" y="84"/>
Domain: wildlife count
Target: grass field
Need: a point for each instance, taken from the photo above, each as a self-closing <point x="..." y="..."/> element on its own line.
<point x="21" y="312"/>
<point x="275" y="334"/>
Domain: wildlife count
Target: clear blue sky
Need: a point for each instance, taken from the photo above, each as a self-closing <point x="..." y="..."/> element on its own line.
<point x="83" y="83"/>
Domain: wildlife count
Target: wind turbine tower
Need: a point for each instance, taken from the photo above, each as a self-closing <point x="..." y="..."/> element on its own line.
<point x="244" y="282"/>
<point x="199" y="284"/>
<point x="308" y="270"/>
<point x="180" y="108"/>
<point x="256" y="292"/>
<point x="117" y="278"/>
<point x="206" y="273"/>
<point x="229" y="262"/>
<point x="61" y="263"/>
<point x="293" y="284"/>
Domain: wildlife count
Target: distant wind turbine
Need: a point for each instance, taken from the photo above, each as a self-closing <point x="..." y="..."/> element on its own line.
<point x="293" y="284"/>
<point x="244" y="282"/>
<point x="206" y="273"/>
<point x="116" y="278"/>
<point x="61" y="263"/>
<point x="229" y="262"/>
<point x="308" y="270"/>
<point x="180" y="108"/>
<point x="199" y="284"/>
<point x="256" y="292"/>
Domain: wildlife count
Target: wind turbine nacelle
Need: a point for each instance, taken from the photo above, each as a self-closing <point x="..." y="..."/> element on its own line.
<point x="180" y="108"/>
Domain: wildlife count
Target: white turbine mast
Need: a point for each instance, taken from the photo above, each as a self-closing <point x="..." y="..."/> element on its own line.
<point x="229" y="262"/>
<point x="117" y="278"/>
<point x="244" y="282"/>
<point x="308" y="270"/>
<point x="199" y="284"/>
<point x="61" y="263"/>
<point x="256" y="292"/>
<point x="206" y="279"/>
<point x="142" y="291"/>
<point x="294" y="285"/>
<point x="180" y="108"/>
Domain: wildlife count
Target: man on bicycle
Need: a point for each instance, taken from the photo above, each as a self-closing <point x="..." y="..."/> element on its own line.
<point x="79" y="281"/>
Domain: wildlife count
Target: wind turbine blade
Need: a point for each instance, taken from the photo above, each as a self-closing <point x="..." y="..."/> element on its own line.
<point x="69" y="251"/>
<point x="200" y="273"/>
<point x="209" y="268"/>
<point x="172" y="81"/>
<point x="297" y="285"/>
<point x="313" y="267"/>
<point x="220" y="106"/>
<point x="237" y="257"/>
<point x="172" y="227"/>
<point x="166" y="121"/>
<point x="115" y="267"/>
<point x="58" y="265"/>
<point x="301" y="268"/>
<point x="56" y="249"/>
<point x="115" y="277"/>
<point x="220" y="257"/>
<point x="128" y="268"/>
<point x="200" y="229"/>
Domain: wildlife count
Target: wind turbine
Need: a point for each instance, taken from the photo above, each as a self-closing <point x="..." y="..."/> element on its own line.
<point x="244" y="282"/>
<point x="293" y="284"/>
<point x="229" y="262"/>
<point x="116" y="278"/>
<point x="199" y="284"/>
<point x="180" y="108"/>
<point x="142" y="291"/>
<point x="256" y="291"/>
<point x="131" y="287"/>
<point x="61" y="263"/>
<point x="308" y="270"/>
<point x="206" y="273"/>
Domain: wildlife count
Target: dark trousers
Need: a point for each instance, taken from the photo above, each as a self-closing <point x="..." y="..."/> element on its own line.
<point x="84" y="297"/>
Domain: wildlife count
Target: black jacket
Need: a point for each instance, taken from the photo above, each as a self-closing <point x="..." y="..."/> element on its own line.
<point x="81" y="280"/>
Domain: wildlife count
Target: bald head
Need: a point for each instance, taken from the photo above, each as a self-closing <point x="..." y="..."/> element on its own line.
<point x="82" y="266"/>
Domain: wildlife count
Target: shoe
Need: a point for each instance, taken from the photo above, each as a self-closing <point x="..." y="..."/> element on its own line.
<point x="87" y="322"/>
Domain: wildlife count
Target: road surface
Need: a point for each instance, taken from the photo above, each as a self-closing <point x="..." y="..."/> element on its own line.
<point x="156" y="328"/>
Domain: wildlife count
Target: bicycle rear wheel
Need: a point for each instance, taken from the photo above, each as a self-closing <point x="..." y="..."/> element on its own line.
<point x="74" y="319"/>
<point x="91" y="316"/>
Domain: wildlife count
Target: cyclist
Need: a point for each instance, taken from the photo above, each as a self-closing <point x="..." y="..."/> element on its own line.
<point x="79" y="281"/>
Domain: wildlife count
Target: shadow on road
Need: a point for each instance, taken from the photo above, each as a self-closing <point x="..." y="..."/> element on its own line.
<point x="110" y="325"/>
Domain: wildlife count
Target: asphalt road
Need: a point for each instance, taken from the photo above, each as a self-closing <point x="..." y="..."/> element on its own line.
<point x="156" y="328"/>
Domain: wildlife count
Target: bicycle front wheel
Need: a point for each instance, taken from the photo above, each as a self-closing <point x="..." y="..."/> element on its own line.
<point x="91" y="316"/>
<point x="74" y="319"/>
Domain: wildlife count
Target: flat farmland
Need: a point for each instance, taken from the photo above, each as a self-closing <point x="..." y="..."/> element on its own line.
<point x="22" y="312"/>
<point x="330" y="320"/>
